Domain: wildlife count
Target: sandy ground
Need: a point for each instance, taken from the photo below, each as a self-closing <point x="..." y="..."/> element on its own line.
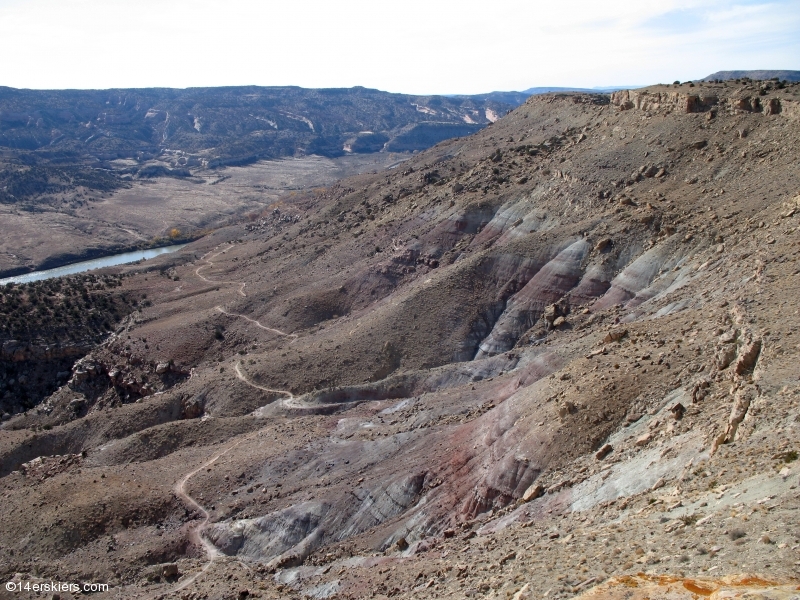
<point x="152" y="208"/>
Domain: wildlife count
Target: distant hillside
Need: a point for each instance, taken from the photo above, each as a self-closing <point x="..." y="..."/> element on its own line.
<point x="598" y="90"/>
<point x="229" y="125"/>
<point x="517" y="98"/>
<point x="763" y="74"/>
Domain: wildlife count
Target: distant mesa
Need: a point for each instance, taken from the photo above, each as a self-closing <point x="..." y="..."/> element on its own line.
<point x="198" y="128"/>
<point x="212" y="127"/>
<point x="757" y="75"/>
<point x="517" y="98"/>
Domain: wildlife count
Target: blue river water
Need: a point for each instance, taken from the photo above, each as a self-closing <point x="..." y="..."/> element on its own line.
<point x="89" y="265"/>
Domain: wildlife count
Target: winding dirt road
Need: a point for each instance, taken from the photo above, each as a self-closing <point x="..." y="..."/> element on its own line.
<point x="196" y="534"/>
<point x="256" y="323"/>
<point x="243" y="377"/>
<point x="210" y="264"/>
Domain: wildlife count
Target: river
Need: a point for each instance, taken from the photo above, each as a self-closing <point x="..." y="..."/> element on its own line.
<point x="90" y="265"/>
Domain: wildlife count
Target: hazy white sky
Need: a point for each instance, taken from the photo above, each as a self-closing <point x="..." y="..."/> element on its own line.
<point x="413" y="46"/>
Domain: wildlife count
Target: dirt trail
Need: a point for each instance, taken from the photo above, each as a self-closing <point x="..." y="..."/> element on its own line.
<point x="180" y="488"/>
<point x="243" y="378"/>
<point x="197" y="532"/>
<point x="211" y="264"/>
<point x="241" y="285"/>
<point x="256" y="323"/>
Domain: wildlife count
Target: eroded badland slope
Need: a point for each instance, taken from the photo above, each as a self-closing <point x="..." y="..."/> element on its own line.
<point x="556" y="358"/>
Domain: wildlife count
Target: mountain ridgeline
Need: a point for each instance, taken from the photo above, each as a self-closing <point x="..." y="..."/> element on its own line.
<point x="233" y="125"/>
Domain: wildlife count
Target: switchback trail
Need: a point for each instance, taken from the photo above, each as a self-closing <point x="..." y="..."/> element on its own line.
<point x="197" y="532"/>
<point x="211" y="264"/>
<point x="240" y="291"/>
<point x="256" y="323"/>
<point x="243" y="377"/>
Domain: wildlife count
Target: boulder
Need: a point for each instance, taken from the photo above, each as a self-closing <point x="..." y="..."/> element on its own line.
<point x="164" y="570"/>
<point x="678" y="411"/>
<point x="724" y="356"/>
<point x="604" y="451"/>
<point x="615" y="335"/>
<point x="162" y="367"/>
<point x="192" y="408"/>
<point x="748" y="354"/>
<point x="741" y="403"/>
<point x="534" y="491"/>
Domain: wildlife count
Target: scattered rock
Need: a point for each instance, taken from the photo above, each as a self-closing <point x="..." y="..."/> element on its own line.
<point x="678" y="411"/>
<point x="603" y="452"/>
<point x="566" y="408"/>
<point x="603" y="244"/>
<point x="615" y="335"/>
<point x="510" y="556"/>
<point x="522" y="593"/>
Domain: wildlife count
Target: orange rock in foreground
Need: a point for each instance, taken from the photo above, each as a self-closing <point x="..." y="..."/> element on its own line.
<point x="666" y="587"/>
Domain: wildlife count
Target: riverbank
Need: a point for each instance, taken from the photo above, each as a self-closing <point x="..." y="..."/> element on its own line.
<point x="91" y="264"/>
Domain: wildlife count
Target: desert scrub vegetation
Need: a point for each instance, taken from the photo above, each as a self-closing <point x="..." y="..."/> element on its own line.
<point x="65" y="308"/>
<point x="20" y="183"/>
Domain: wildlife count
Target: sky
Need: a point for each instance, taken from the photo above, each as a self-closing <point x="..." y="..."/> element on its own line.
<point x="411" y="46"/>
